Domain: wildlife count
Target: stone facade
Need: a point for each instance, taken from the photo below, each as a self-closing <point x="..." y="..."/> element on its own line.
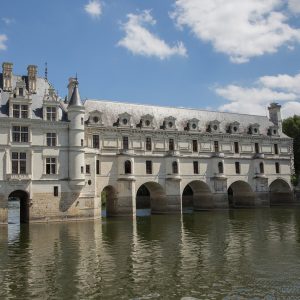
<point x="58" y="156"/>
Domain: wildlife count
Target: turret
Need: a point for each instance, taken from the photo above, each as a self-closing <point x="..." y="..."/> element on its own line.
<point x="275" y="114"/>
<point x="7" y="73"/>
<point x="76" y="112"/>
<point x="71" y="85"/>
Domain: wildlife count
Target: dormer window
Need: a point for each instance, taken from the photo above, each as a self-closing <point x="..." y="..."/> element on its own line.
<point x="253" y="129"/>
<point x="214" y="126"/>
<point x="169" y="123"/>
<point x="20" y="111"/>
<point x="273" y="131"/>
<point x="124" y="119"/>
<point x="95" y="117"/>
<point x="192" y="124"/>
<point x="234" y="127"/>
<point x="21" y="92"/>
<point x="146" y="121"/>
<point x="51" y="113"/>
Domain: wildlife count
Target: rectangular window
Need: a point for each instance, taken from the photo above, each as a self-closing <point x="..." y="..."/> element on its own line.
<point x="81" y="142"/>
<point x="277" y="168"/>
<point x="97" y="166"/>
<point x="18" y="163"/>
<point x="256" y="148"/>
<point x="125" y="143"/>
<point x="148" y="167"/>
<point x="50" y="165"/>
<point x="171" y="144"/>
<point x="51" y="113"/>
<point x="237" y="168"/>
<point x="216" y="146"/>
<point x="276" y="148"/>
<point x="196" y="167"/>
<point x="236" y="147"/>
<point x="82" y="170"/>
<point x="148" y="144"/>
<point x="20" y="134"/>
<point x="195" y="146"/>
<point x="55" y="191"/>
<point x="20" y="111"/>
<point x="87" y="169"/>
<point x="96" y="143"/>
<point x="51" y="139"/>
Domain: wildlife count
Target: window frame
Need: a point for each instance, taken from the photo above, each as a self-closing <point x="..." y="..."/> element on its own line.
<point x="51" y="165"/>
<point x="149" y="167"/>
<point x="196" y="167"/>
<point x="19" y="163"/>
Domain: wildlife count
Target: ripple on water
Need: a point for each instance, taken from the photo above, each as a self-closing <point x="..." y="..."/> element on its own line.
<point x="225" y="255"/>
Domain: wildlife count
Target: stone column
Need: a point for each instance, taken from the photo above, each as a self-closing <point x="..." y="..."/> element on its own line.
<point x="125" y="202"/>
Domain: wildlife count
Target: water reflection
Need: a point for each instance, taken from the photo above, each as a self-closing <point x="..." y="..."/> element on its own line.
<point x="207" y="255"/>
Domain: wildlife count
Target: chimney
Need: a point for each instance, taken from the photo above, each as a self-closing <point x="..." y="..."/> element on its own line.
<point x="275" y="114"/>
<point x="71" y="85"/>
<point x="32" y="72"/>
<point x="7" y="69"/>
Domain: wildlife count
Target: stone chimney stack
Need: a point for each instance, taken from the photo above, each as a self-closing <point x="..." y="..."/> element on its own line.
<point x="32" y="77"/>
<point x="7" y="74"/>
<point x="275" y="114"/>
<point x="71" y="85"/>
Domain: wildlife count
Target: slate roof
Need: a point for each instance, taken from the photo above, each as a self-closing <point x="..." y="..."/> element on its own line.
<point x="111" y="111"/>
<point x="42" y="86"/>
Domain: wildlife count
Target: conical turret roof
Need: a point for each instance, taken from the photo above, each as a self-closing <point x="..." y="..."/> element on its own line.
<point x="75" y="98"/>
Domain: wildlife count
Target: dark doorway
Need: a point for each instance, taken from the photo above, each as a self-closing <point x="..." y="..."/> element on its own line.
<point x="143" y="201"/>
<point x="23" y="199"/>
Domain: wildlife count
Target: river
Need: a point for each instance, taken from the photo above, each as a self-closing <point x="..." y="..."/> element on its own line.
<point x="235" y="254"/>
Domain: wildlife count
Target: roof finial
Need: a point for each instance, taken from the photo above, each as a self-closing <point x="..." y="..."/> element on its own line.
<point x="76" y="78"/>
<point x="46" y="71"/>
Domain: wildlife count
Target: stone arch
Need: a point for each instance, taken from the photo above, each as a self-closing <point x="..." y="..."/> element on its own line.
<point x="197" y="195"/>
<point x="280" y="192"/>
<point x="23" y="197"/>
<point x="109" y="195"/>
<point x="240" y="194"/>
<point x="153" y="195"/>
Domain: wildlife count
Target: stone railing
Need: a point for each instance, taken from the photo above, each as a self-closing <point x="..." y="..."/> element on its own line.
<point x="18" y="177"/>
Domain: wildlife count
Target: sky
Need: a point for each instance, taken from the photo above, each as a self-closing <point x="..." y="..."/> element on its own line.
<point x="226" y="55"/>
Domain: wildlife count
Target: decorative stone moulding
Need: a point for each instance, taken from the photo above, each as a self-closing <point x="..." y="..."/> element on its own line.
<point x="259" y="156"/>
<point x="193" y="124"/>
<point x="253" y="129"/>
<point x="218" y="154"/>
<point x="170" y="123"/>
<point x="213" y="126"/>
<point x="175" y="177"/>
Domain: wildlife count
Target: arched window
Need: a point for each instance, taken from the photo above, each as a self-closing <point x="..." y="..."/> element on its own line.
<point x="220" y="167"/>
<point x="127" y="167"/>
<point x="175" y="167"/>
<point x="261" y="168"/>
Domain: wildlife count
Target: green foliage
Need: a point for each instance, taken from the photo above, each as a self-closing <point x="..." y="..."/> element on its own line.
<point x="294" y="179"/>
<point x="291" y="127"/>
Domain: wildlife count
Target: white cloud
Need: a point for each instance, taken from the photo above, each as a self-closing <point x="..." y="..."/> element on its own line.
<point x="282" y="88"/>
<point x="282" y="81"/>
<point x="94" y="8"/>
<point x="240" y="29"/>
<point x="294" y="6"/>
<point x="139" y="40"/>
<point x="3" y="39"/>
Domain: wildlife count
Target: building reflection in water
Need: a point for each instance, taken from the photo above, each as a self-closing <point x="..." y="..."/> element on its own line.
<point x="239" y="253"/>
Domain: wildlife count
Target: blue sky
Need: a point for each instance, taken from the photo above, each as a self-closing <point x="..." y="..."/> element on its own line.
<point x="228" y="55"/>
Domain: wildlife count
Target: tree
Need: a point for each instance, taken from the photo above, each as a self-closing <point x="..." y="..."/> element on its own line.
<point x="291" y="127"/>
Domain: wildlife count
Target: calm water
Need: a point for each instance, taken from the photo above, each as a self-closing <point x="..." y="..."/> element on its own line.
<point x="238" y="254"/>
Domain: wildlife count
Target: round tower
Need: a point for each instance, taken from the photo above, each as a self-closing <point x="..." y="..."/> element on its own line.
<point x="76" y="113"/>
